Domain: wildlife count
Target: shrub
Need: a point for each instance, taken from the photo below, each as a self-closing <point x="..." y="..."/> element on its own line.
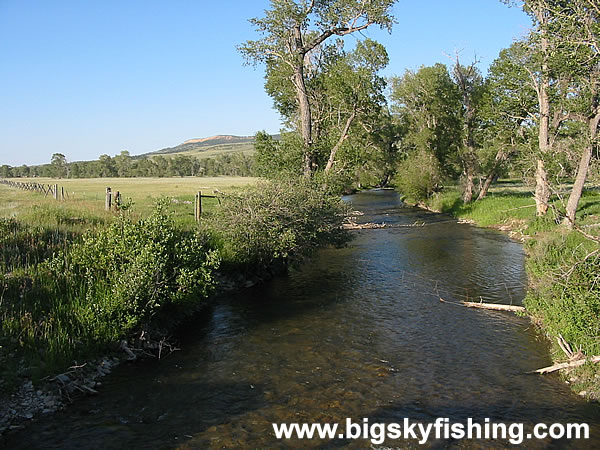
<point x="565" y="272"/>
<point x="112" y="283"/>
<point x="278" y="220"/>
<point x="132" y="269"/>
<point x="418" y="176"/>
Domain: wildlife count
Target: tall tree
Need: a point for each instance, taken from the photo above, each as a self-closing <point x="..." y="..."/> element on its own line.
<point x="538" y="10"/>
<point x="509" y="109"/>
<point x="471" y="87"/>
<point x="354" y="94"/>
<point x="107" y="166"/>
<point x="579" y="25"/>
<point x="59" y="165"/>
<point x="293" y="31"/>
<point x="427" y="107"/>
<point x="123" y="164"/>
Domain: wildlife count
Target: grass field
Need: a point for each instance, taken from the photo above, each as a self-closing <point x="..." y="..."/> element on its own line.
<point x="85" y="202"/>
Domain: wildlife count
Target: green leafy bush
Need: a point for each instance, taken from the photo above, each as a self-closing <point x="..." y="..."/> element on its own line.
<point x="274" y="221"/>
<point x="131" y="269"/>
<point x="112" y="283"/>
<point x="565" y="292"/>
<point x="418" y="176"/>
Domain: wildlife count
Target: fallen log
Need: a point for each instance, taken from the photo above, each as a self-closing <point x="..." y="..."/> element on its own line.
<point x="363" y="226"/>
<point x="494" y="306"/>
<point x="567" y="365"/>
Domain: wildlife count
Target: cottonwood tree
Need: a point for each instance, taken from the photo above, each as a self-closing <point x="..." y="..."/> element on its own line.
<point x="60" y="167"/>
<point x="471" y="88"/>
<point x="579" y="26"/>
<point x="293" y="31"/>
<point x="427" y="107"/>
<point x="508" y="111"/>
<point x="123" y="163"/>
<point x="353" y="97"/>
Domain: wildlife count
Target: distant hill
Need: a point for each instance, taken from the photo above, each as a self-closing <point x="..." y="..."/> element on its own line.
<point x="209" y="147"/>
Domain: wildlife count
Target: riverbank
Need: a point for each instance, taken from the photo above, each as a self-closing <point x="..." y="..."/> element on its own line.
<point x="124" y="283"/>
<point x="563" y="269"/>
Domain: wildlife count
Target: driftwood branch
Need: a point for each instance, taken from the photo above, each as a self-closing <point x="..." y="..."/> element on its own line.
<point x="494" y="306"/>
<point x="491" y="306"/>
<point x="576" y="359"/>
<point x="568" y="365"/>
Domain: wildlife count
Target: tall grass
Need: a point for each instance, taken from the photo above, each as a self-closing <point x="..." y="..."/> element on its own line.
<point x="64" y="295"/>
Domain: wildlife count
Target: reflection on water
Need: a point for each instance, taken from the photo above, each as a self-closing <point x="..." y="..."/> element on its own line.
<point x="357" y="332"/>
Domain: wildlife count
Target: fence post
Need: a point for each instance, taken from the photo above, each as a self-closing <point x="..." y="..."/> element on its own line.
<point x="107" y="203"/>
<point x="198" y="206"/>
<point x="62" y="193"/>
<point x="117" y="199"/>
<point x="56" y="192"/>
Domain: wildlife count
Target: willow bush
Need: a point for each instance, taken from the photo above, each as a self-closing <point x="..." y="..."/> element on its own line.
<point x="105" y="287"/>
<point x="278" y="221"/>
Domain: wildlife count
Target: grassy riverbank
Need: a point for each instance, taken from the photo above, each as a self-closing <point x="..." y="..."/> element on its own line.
<point x="563" y="267"/>
<point x="75" y="280"/>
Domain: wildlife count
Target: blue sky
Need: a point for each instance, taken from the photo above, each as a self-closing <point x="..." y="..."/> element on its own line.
<point x="86" y="78"/>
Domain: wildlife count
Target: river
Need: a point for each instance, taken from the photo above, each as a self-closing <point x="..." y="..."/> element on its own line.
<point x="357" y="333"/>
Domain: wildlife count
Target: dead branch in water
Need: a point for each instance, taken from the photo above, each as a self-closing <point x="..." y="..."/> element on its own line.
<point x="576" y="359"/>
<point x="491" y="306"/>
<point x="567" y="365"/>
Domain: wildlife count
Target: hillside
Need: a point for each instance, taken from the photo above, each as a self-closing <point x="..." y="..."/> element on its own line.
<point x="209" y="147"/>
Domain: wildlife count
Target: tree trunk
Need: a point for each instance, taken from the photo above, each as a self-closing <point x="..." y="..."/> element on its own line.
<point x="485" y="187"/>
<point x="542" y="190"/>
<point x="582" y="171"/>
<point x="469" y="187"/>
<point x="303" y="105"/>
<point x="305" y="120"/>
<point x="501" y="156"/>
<point x="340" y="141"/>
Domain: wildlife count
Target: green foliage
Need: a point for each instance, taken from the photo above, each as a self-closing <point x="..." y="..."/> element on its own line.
<point x="426" y="104"/>
<point x="139" y="266"/>
<point x="277" y="158"/>
<point x="565" y="272"/>
<point x="319" y="89"/>
<point x="112" y="283"/>
<point x="418" y="176"/>
<point x="276" y="221"/>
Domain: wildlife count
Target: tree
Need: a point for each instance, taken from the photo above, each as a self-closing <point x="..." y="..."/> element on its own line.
<point x="508" y="110"/>
<point x="59" y="165"/>
<point x="6" y="171"/>
<point x="123" y="164"/>
<point x="354" y="94"/>
<point x="541" y="81"/>
<point x="471" y="88"/>
<point x="294" y="31"/>
<point x="107" y="166"/>
<point x="426" y="106"/>
<point x="580" y="27"/>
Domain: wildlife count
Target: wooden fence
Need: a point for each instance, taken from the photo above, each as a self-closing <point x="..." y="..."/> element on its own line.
<point x="198" y="204"/>
<point x="58" y="193"/>
<point x="112" y="199"/>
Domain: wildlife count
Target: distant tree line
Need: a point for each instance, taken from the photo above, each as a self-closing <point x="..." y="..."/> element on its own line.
<point x="124" y="165"/>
